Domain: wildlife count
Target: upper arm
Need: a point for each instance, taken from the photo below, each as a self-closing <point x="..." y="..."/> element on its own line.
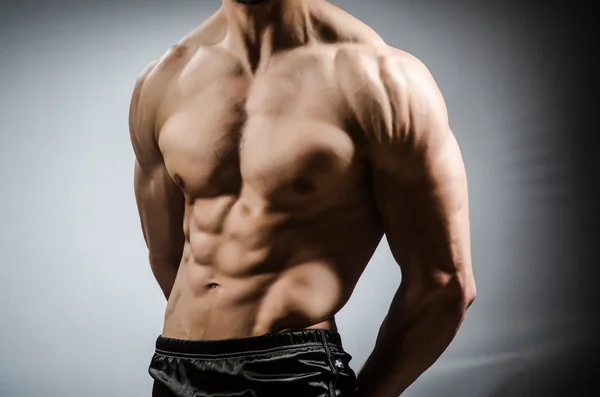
<point x="160" y="202"/>
<point x="420" y="182"/>
<point x="141" y="122"/>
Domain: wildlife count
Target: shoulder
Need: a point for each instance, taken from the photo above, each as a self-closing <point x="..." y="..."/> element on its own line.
<point x="393" y="99"/>
<point x="156" y="77"/>
<point x="156" y="72"/>
<point x="152" y="81"/>
<point x="404" y="74"/>
<point x="382" y="68"/>
<point x="148" y="93"/>
<point x="390" y="83"/>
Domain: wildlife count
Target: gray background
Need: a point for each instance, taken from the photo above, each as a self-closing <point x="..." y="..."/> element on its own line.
<point x="80" y="309"/>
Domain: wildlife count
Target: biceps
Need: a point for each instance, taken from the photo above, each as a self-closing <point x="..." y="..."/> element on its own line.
<point x="427" y="220"/>
<point x="444" y="211"/>
<point x="161" y="209"/>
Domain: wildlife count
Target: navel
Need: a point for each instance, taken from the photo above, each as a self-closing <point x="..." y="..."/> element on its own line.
<point x="303" y="186"/>
<point x="238" y="70"/>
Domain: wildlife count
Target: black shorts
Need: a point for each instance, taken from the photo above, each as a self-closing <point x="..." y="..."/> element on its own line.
<point x="309" y="363"/>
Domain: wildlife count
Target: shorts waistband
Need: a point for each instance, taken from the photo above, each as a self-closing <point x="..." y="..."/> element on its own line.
<point x="279" y="340"/>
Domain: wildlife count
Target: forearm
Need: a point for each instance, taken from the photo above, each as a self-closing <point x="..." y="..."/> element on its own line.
<point x="165" y="272"/>
<point x="409" y="342"/>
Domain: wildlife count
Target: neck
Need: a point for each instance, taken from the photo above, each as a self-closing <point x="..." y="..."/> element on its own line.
<point x="260" y="28"/>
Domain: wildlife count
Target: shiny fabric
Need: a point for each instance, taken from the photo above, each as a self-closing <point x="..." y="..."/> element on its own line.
<point x="309" y="363"/>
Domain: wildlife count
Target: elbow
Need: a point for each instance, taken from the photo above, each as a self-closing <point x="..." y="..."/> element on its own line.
<point x="462" y="290"/>
<point x="457" y="290"/>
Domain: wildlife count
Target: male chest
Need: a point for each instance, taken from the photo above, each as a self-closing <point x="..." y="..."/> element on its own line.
<point x="281" y="133"/>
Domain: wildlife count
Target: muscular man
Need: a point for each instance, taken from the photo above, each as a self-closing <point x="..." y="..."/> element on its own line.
<point x="276" y="144"/>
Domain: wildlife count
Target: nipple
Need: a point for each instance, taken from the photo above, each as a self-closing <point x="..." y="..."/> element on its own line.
<point x="179" y="181"/>
<point x="303" y="186"/>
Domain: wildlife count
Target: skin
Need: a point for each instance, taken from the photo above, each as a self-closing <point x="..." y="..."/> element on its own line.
<point x="276" y="144"/>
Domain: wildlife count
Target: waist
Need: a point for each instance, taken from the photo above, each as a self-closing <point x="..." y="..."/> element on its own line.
<point x="307" y="296"/>
<point x="246" y="346"/>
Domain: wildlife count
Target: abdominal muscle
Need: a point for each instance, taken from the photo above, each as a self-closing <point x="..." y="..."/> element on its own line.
<point x="254" y="272"/>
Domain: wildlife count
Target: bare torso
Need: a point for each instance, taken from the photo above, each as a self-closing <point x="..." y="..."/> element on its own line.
<point x="279" y="218"/>
<point x="275" y="145"/>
